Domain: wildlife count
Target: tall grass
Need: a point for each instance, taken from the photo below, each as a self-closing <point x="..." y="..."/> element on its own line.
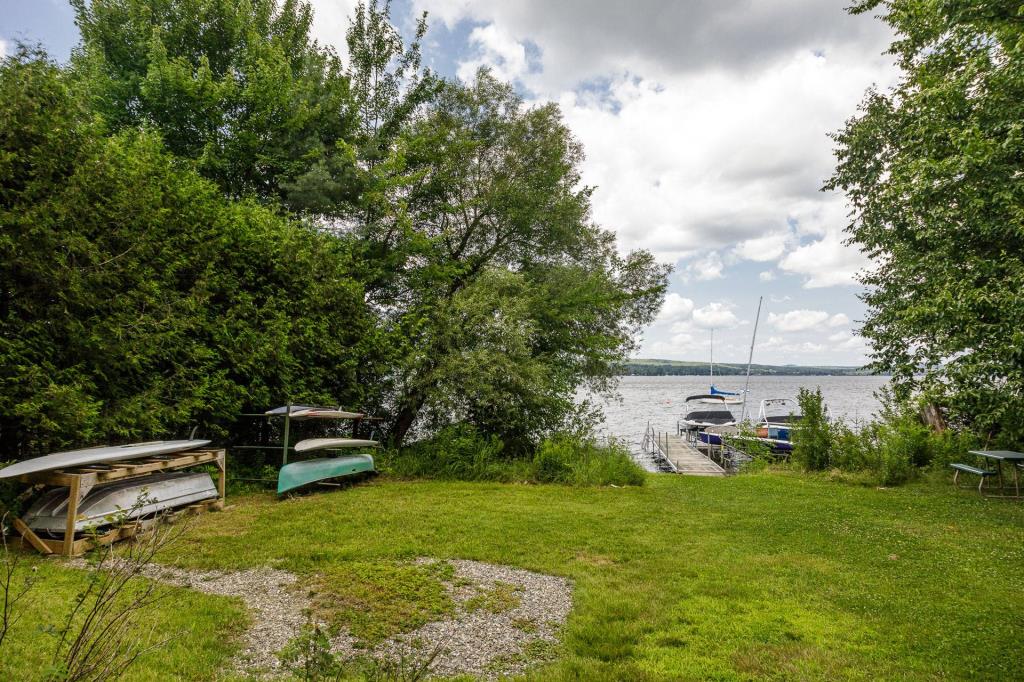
<point x="461" y="453"/>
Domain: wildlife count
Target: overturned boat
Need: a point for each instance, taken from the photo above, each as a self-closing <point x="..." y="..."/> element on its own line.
<point x="99" y="455"/>
<point x="301" y="412"/>
<point x="108" y="504"/>
<point x="299" y="474"/>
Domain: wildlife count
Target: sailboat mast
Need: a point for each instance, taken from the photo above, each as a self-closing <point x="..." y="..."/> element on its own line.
<point x="712" y="356"/>
<point x="750" y="359"/>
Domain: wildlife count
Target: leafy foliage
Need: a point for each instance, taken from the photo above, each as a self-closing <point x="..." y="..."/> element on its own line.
<point x="933" y="171"/>
<point x="207" y="213"/>
<point x="137" y="300"/>
<point x="813" y="437"/>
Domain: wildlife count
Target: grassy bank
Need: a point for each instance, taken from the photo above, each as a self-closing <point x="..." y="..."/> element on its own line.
<point x="768" y="575"/>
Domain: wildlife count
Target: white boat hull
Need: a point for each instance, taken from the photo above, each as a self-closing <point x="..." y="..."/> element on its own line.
<point x="101" y="507"/>
<point x="332" y="443"/>
<point x="98" y="455"/>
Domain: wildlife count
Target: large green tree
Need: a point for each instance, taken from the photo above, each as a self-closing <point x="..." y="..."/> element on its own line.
<point x="135" y="299"/>
<point x="239" y="87"/>
<point x="934" y="170"/>
<point x="493" y="186"/>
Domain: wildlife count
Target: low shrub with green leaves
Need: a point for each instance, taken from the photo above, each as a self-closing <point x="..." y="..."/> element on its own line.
<point x="461" y="452"/>
<point x="889" y="451"/>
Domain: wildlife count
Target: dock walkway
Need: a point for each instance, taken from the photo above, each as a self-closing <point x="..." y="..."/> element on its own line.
<point x="684" y="457"/>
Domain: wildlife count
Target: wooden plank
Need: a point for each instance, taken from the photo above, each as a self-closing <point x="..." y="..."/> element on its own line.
<point x="32" y="538"/>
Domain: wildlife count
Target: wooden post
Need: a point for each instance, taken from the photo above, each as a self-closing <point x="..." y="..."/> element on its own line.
<point x="221" y="473"/>
<point x="287" y="425"/>
<point x="69" y="528"/>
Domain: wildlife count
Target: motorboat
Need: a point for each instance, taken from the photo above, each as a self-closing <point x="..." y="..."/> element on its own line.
<point x="699" y="418"/>
<point x="107" y="504"/>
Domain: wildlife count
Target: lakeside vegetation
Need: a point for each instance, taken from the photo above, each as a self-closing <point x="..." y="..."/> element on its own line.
<point x="776" y="575"/>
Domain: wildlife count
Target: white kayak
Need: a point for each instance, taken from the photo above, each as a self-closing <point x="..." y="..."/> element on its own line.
<point x="307" y="412"/>
<point x="332" y="443"/>
<point x="98" y="455"/>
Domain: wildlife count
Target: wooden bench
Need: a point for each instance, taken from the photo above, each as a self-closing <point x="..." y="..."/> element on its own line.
<point x="982" y="474"/>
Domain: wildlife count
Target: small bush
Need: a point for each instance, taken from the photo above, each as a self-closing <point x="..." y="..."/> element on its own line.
<point x="813" y="440"/>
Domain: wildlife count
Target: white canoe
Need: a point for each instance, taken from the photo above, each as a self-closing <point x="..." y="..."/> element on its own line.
<point x="332" y="443"/>
<point x="307" y="412"/>
<point x="98" y="455"/>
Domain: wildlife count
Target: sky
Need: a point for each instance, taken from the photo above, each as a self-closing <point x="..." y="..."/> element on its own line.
<point x="706" y="128"/>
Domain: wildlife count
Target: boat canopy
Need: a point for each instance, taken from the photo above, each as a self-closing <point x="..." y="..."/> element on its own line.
<point x="716" y="391"/>
<point x="706" y="397"/>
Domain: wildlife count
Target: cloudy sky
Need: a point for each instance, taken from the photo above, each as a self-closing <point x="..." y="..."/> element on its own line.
<point x="705" y="124"/>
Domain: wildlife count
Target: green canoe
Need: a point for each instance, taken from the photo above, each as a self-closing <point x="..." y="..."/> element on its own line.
<point x="298" y="474"/>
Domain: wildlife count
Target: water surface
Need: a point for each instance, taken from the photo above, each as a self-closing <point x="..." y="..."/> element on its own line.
<point x="660" y="401"/>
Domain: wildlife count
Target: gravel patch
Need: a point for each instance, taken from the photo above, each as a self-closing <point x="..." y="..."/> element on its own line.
<point x="506" y="619"/>
<point x="477" y="641"/>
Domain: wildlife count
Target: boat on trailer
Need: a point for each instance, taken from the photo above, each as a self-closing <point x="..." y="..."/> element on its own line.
<point x="107" y="504"/>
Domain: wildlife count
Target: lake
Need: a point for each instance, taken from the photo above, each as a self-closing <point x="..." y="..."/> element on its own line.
<point x="660" y="401"/>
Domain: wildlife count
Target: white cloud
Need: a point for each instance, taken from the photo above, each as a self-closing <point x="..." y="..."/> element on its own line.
<point x="498" y="50"/>
<point x="4" y="48"/>
<point x="714" y="316"/>
<point x="766" y="276"/>
<point x="838" y="320"/>
<point x="766" y="248"/>
<point x="330" y="23"/>
<point x="797" y="320"/>
<point x="675" y="308"/>
<point x="703" y="129"/>
<point x="826" y="262"/>
<point x="707" y="268"/>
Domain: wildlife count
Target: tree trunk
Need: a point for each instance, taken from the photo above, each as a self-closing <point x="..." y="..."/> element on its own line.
<point x="406" y="418"/>
<point x="932" y="417"/>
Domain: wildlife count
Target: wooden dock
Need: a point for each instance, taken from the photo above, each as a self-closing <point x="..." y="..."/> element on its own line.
<point x="685" y="458"/>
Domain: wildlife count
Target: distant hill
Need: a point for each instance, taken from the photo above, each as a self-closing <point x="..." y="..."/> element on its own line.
<point x="650" y="367"/>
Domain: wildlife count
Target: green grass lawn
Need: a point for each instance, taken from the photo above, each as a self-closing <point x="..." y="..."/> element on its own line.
<point x="760" y="576"/>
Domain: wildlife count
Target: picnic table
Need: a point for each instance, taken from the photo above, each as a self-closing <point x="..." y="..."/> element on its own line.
<point x="1016" y="460"/>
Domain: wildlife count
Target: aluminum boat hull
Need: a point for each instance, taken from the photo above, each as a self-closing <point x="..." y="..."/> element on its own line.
<point x="101" y="506"/>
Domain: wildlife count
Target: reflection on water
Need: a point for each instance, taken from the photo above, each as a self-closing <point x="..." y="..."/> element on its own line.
<point x="659" y="400"/>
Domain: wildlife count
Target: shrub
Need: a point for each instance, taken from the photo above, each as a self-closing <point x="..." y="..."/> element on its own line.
<point x="462" y="453"/>
<point x="812" y="442"/>
<point x="583" y="461"/>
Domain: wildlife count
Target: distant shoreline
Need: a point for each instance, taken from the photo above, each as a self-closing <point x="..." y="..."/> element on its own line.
<point x="654" y="367"/>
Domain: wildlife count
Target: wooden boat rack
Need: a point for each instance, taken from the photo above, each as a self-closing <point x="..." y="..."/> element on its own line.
<point x="80" y="480"/>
